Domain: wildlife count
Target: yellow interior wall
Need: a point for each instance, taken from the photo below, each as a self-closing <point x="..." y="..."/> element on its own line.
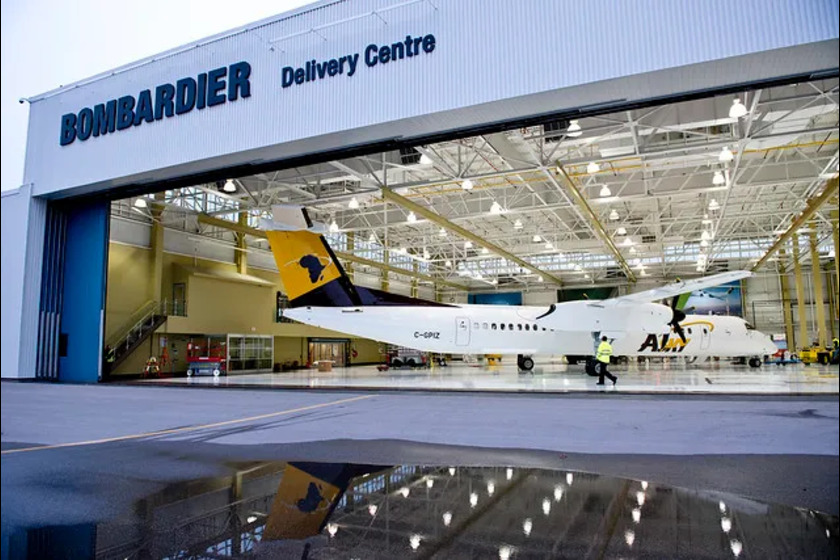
<point x="129" y="285"/>
<point x="214" y="306"/>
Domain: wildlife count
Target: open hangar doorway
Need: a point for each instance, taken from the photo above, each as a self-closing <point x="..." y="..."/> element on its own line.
<point x="650" y="176"/>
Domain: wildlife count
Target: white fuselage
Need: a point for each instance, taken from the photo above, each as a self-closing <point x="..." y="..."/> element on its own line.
<point x="496" y="329"/>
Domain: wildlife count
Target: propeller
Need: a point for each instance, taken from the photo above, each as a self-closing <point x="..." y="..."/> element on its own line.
<point x="552" y="308"/>
<point x="676" y="317"/>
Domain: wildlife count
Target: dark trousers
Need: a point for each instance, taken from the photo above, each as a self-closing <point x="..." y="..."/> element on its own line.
<point x="602" y="371"/>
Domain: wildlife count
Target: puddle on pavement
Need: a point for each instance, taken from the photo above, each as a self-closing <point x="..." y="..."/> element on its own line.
<point x="325" y="511"/>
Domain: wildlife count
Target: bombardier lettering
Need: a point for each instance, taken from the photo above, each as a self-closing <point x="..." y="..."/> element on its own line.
<point x="208" y="89"/>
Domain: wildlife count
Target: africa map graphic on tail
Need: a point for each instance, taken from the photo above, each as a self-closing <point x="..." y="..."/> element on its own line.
<point x="312" y="264"/>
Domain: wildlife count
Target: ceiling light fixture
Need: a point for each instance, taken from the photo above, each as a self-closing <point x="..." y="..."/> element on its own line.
<point x="605" y="191"/>
<point x="425" y="160"/>
<point x="333" y="227"/>
<point x="574" y="129"/>
<point x="229" y="186"/>
<point x="448" y="263"/>
<point x="412" y="217"/>
<point x="593" y="168"/>
<point x="737" y="109"/>
<point x="517" y="224"/>
<point x="485" y="251"/>
<point x="714" y="205"/>
<point x="536" y="238"/>
<point x="621" y="231"/>
<point x="353" y="204"/>
<point x="468" y="245"/>
<point x="613" y="214"/>
<point x="467" y="185"/>
<point x="140" y="203"/>
<point x="426" y="254"/>
<point x="718" y="178"/>
<point x="628" y="242"/>
<point x="726" y="155"/>
<point x="704" y="243"/>
<point x="372" y="238"/>
<point x="442" y="232"/>
<point x="705" y="236"/>
<point x="496" y="208"/>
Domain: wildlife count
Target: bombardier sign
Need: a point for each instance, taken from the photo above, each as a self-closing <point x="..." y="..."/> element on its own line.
<point x="208" y="89"/>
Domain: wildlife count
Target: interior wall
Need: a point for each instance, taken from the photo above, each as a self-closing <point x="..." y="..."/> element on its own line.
<point x="129" y="285"/>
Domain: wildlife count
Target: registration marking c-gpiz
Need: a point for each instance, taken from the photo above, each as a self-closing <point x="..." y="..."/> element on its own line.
<point x="427" y="334"/>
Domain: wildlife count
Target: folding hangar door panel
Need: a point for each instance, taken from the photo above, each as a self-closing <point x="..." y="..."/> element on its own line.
<point x="74" y="277"/>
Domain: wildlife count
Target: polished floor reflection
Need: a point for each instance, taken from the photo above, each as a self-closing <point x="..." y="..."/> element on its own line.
<point x="429" y="512"/>
<point x="551" y="376"/>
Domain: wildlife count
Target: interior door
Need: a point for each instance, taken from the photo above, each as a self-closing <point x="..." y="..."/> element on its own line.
<point x="462" y="331"/>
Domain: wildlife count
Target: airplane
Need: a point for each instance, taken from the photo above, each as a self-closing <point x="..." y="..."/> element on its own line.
<point x="321" y="294"/>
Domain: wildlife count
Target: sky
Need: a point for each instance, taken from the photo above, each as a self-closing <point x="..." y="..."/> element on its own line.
<point x="49" y="43"/>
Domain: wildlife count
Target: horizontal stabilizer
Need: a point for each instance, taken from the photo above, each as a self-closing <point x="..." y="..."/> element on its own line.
<point x="291" y="217"/>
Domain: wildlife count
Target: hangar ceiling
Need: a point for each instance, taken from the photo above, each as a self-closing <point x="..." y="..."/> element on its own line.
<point x="678" y="189"/>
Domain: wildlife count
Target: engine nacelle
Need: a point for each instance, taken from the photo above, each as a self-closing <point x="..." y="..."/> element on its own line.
<point x="602" y="316"/>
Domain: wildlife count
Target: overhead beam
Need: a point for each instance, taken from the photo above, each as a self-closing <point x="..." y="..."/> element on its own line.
<point x="596" y="224"/>
<point x="248" y="230"/>
<point x="436" y="218"/>
<point x="812" y="206"/>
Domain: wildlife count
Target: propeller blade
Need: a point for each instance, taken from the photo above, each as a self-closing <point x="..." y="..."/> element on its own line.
<point x="679" y="330"/>
<point x="552" y="308"/>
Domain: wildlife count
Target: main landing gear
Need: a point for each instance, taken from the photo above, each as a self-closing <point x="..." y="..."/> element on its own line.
<point x="525" y="363"/>
<point x="755" y="362"/>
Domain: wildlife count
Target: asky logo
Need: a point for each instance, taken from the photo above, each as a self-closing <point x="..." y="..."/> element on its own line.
<point x="667" y="344"/>
<point x="312" y="500"/>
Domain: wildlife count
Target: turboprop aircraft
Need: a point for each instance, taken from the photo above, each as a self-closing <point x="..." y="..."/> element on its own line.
<point x="321" y="294"/>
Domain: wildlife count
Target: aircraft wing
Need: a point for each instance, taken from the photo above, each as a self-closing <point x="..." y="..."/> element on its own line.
<point x="681" y="287"/>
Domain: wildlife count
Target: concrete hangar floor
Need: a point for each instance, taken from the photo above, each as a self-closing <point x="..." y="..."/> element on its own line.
<point x="549" y="376"/>
<point x="504" y="465"/>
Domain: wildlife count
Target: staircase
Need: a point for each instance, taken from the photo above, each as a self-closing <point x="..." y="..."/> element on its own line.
<point x="140" y="327"/>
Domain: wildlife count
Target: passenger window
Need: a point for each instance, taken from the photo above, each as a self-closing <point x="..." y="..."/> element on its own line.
<point x="475" y="326"/>
<point x="519" y="326"/>
<point x="494" y="326"/>
<point x="503" y="326"/>
<point x="705" y="330"/>
<point x="527" y="327"/>
<point x="689" y="330"/>
<point x="543" y="329"/>
<point x="510" y="326"/>
<point x="536" y="328"/>
<point x="484" y="326"/>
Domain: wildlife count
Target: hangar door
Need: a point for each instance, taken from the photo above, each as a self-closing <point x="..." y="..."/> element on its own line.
<point x="72" y="308"/>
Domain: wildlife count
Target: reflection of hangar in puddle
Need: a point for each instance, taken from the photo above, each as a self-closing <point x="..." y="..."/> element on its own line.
<point x="325" y="510"/>
<point x="293" y="109"/>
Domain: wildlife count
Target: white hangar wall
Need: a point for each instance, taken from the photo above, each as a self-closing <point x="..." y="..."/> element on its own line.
<point x="493" y="61"/>
<point x="484" y="51"/>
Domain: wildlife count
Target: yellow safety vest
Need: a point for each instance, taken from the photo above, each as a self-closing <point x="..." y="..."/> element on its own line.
<point x="604" y="352"/>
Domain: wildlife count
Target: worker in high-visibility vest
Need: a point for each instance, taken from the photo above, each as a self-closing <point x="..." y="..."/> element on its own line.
<point x="603" y="356"/>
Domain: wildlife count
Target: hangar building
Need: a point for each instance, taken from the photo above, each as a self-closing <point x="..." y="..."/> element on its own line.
<point x="458" y="149"/>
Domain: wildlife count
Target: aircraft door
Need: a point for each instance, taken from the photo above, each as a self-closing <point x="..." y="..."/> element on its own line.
<point x="462" y="331"/>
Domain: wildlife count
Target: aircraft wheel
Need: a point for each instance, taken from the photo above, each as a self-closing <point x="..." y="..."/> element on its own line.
<point x="527" y="363"/>
<point x="396" y="363"/>
<point x="216" y="373"/>
<point x="411" y="363"/>
<point x="189" y="373"/>
<point x="755" y="362"/>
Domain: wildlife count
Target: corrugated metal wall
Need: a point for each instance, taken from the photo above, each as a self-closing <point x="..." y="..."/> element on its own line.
<point x="486" y="51"/>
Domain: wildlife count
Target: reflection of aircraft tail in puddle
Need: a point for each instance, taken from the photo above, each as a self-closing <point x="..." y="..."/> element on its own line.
<point x="340" y="510"/>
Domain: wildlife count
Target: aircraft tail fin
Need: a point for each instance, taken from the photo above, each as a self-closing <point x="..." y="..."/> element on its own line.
<point x="310" y="271"/>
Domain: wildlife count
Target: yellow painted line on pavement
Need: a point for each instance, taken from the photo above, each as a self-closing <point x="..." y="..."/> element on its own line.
<point x="186" y="428"/>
